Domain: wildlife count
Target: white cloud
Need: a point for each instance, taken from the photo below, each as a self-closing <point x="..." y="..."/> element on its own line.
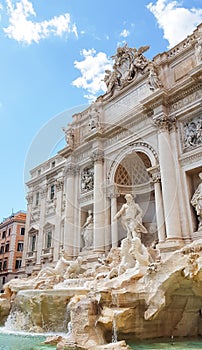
<point x="27" y="31"/>
<point x="177" y="22"/>
<point x="92" y="69"/>
<point x="125" y="33"/>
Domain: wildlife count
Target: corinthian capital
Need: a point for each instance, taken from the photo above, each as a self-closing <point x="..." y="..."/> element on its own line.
<point x="165" y="123"/>
<point x="29" y="198"/>
<point x="70" y="170"/>
<point x="155" y="174"/>
<point x="59" y="184"/>
<point x="97" y="156"/>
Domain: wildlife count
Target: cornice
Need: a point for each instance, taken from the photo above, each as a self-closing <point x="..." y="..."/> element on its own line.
<point x="191" y="156"/>
<point x="183" y="90"/>
<point x="65" y="152"/>
<point x="159" y="97"/>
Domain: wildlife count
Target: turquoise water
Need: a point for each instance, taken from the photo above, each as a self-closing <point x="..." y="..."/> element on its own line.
<point x="24" y="341"/>
<point x="167" y="344"/>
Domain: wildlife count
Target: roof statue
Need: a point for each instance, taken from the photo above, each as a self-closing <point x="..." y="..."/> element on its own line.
<point x="128" y="63"/>
<point x="69" y="135"/>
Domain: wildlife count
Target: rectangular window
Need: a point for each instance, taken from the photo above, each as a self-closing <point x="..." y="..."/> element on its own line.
<point x="52" y="192"/>
<point x="22" y="231"/>
<point x="37" y="199"/>
<point x="5" y="265"/>
<point x="2" y="249"/>
<point x="4" y="234"/>
<point x="7" y="248"/>
<point x="33" y="243"/>
<point x="1" y="265"/>
<point x="20" y="247"/>
<point x="9" y="231"/>
<point x="18" y="263"/>
<point x="48" y="239"/>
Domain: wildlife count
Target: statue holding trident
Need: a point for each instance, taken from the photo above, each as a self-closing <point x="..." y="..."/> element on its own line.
<point x="131" y="218"/>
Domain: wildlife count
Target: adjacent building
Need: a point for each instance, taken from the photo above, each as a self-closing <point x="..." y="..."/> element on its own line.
<point x="143" y="137"/>
<point x="12" y="233"/>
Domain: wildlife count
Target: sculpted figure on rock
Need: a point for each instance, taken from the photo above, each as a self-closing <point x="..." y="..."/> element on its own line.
<point x="131" y="217"/>
<point x="58" y="270"/>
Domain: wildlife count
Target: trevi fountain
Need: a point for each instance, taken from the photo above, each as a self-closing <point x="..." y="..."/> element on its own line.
<point x="132" y="164"/>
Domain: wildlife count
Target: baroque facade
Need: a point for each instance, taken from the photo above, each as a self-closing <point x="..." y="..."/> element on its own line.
<point x="142" y="137"/>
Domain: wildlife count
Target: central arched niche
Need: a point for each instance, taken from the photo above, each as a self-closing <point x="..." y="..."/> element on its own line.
<point x="131" y="176"/>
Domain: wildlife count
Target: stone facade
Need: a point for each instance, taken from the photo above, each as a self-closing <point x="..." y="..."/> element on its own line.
<point x="142" y="137"/>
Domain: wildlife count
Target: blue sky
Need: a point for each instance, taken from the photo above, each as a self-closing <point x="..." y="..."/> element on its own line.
<point x="53" y="57"/>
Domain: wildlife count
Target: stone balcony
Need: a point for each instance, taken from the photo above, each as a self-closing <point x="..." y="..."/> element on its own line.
<point x="31" y="257"/>
<point x="47" y="255"/>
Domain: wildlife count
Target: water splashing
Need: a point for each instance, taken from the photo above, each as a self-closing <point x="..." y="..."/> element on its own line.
<point x="114" y="330"/>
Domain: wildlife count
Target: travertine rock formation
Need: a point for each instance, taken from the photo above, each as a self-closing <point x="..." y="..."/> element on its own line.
<point x="162" y="298"/>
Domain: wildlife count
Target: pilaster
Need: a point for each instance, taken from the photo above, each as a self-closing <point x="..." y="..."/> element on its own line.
<point x="70" y="172"/>
<point x="160" y="218"/>
<point x="98" y="211"/>
<point x="57" y="236"/>
<point x="168" y="176"/>
<point x="40" y="238"/>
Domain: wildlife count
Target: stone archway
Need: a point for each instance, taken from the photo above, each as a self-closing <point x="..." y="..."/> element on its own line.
<point x="131" y="176"/>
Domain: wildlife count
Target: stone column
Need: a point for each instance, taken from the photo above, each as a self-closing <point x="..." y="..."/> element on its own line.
<point x="114" y="223"/>
<point x="98" y="210"/>
<point x="69" y="210"/>
<point x="168" y="178"/>
<point x="40" y="238"/>
<point x="180" y="189"/>
<point x="160" y="219"/>
<point x="29" y="199"/>
<point x="57" y="234"/>
<point x="77" y="225"/>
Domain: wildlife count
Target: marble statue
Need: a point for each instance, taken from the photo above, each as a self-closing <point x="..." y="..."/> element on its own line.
<point x="153" y="79"/>
<point x="69" y="136"/>
<point x="87" y="179"/>
<point x="127" y="259"/>
<point x="139" y="252"/>
<point x="87" y="231"/>
<point x="133" y="254"/>
<point x="193" y="132"/>
<point x="154" y="252"/>
<point x="111" y="80"/>
<point x="58" y="270"/>
<point x="128" y="62"/>
<point x="196" y="201"/>
<point x="131" y="217"/>
<point x="74" y="268"/>
<point x="94" y="123"/>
